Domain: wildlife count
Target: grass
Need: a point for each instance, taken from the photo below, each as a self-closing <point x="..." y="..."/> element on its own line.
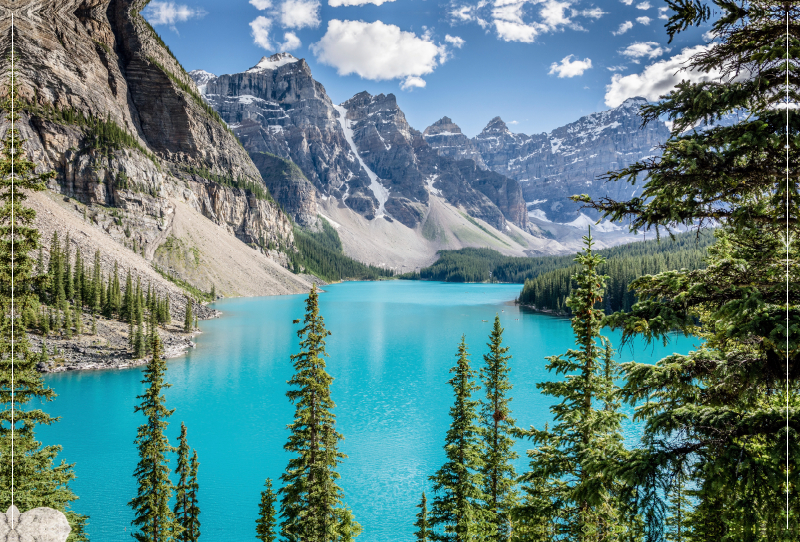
<point x="188" y="288"/>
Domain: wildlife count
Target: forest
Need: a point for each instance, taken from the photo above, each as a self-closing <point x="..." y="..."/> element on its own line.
<point x="321" y="254"/>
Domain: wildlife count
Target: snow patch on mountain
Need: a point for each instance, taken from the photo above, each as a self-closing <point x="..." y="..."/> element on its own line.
<point x="201" y="79"/>
<point x="584" y="221"/>
<point x="380" y="192"/>
<point x="273" y="62"/>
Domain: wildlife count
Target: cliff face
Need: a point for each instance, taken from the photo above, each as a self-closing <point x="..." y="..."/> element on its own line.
<point x="122" y="125"/>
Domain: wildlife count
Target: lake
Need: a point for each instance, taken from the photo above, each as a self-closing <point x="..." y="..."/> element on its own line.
<point x="391" y="348"/>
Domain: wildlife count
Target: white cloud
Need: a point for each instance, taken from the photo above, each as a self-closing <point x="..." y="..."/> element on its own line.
<point x="290" y="42"/>
<point x="412" y="82"/>
<point x="656" y="79"/>
<point x="709" y="36"/>
<point x="261" y="4"/>
<point x="455" y="41"/>
<point x="337" y="3"/>
<point x="513" y="122"/>
<point x="617" y="68"/>
<point x="570" y="68"/>
<point x="662" y="14"/>
<point x="519" y="20"/>
<point x="169" y="13"/>
<point x="643" y="20"/>
<point x="594" y="13"/>
<point x="640" y="49"/>
<point x="624" y="27"/>
<point x="260" y="31"/>
<point x="378" y="51"/>
<point x="627" y="2"/>
<point x="643" y="5"/>
<point x="299" y="13"/>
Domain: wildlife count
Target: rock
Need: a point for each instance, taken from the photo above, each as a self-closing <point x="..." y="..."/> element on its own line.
<point x="445" y="136"/>
<point x="37" y="525"/>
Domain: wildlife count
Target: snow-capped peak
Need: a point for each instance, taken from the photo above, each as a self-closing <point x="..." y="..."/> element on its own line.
<point x="636" y="101"/>
<point x="201" y="79"/>
<point x="273" y="62"/>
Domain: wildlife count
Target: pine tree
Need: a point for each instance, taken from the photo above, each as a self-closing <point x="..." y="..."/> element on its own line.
<point x="68" y="323"/>
<point x="499" y="476"/>
<point x="76" y="317"/>
<point x="97" y="284"/>
<point x="422" y="520"/>
<point x="566" y="487"/>
<point x="310" y="499"/>
<point x="456" y="513"/>
<point x="193" y="524"/>
<point x="187" y="320"/>
<point x="127" y="300"/>
<point x="182" y="489"/>
<point x="265" y="524"/>
<point x="37" y="479"/>
<point x="153" y="518"/>
<point x="723" y="408"/>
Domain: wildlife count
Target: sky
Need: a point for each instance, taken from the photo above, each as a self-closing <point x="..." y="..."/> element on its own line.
<point x="538" y="64"/>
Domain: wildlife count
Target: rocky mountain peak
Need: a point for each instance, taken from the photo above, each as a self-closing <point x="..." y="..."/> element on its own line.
<point x="201" y="79"/>
<point x="444" y="127"/>
<point x="636" y="101"/>
<point x="269" y="63"/>
<point x="496" y="125"/>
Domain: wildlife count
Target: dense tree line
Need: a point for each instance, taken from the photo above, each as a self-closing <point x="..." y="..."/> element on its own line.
<point x="549" y="291"/>
<point x="321" y="254"/>
<point x="484" y="264"/>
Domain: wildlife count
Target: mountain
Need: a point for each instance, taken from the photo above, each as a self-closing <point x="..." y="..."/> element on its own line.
<point x="361" y="152"/>
<point x="151" y="172"/>
<point x="550" y="167"/>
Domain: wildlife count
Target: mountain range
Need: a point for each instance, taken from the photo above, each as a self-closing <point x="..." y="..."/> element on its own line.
<point x="207" y="176"/>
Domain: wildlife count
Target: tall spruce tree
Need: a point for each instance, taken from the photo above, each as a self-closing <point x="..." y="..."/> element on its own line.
<point x="497" y="428"/>
<point x="265" y="524"/>
<point x="193" y="523"/>
<point x="456" y="511"/>
<point x="721" y="411"/>
<point x="565" y="486"/>
<point x="153" y="519"/>
<point x="32" y="473"/>
<point x="187" y="319"/>
<point x="311" y="501"/>
<point x="422" y="520"/>
<point x="182" y="489"/>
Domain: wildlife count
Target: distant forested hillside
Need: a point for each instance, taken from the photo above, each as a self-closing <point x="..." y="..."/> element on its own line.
<point x="321" y="254"/>
<point x="547" y="279"/>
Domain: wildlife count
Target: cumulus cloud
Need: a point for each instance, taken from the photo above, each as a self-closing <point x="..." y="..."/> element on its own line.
<point x="643" y="20"/>
<point x="627" y="2"/>
<point x="299" y="13"/>
<point x="662" y="13"/>
<point x="656" y="79"/>
<point x="290" y="42"/>
<point x="592" y="13"/>
<point x="259" y="29"/>
<point x="624" y="27"/>
<point x="640" y="49"/>
<point x="643" y="5"/>
<point x="337" y="3"/>
<point x="169" y="13"/>
<point x="570" y="68"/>
<point x="513" y="122"/>
<point x="379" y="51"/>
<point x="412" y="82"/>
<point x="617" y="68"/>
<point x="261" y="4"/>
<point x="455" y="41"/>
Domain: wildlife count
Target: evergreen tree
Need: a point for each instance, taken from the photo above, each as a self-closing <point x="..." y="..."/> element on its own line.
<point x="76" y="317"/>
<point x="565" y="487"/>
<point x="182" y="489"/>
<point x="265" y="524"/>
<point x="310" y="496"/>
<point x="127" y="300"/>
<point x="187" y="320"/>
<point x="153" y="518"/>
<point x="32" y="475"/>
<point x="193" y="525"/>
<point x="422" y="520"/>
<point x="69" y="286"/>
<point x="499" y="476"/>
<point x="97" y="284"/>
<point x="456" y="513"/>
<point x="68" y="323"/>
<point x="728" y="411"/>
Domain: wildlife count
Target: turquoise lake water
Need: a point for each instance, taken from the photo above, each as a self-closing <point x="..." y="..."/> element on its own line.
<point x="391" y="348"/>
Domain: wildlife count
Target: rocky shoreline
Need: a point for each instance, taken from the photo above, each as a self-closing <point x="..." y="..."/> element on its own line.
<point x="108" y="348"/>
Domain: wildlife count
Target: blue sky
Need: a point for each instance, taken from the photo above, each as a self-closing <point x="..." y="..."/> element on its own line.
<point x="538" y="64"/>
